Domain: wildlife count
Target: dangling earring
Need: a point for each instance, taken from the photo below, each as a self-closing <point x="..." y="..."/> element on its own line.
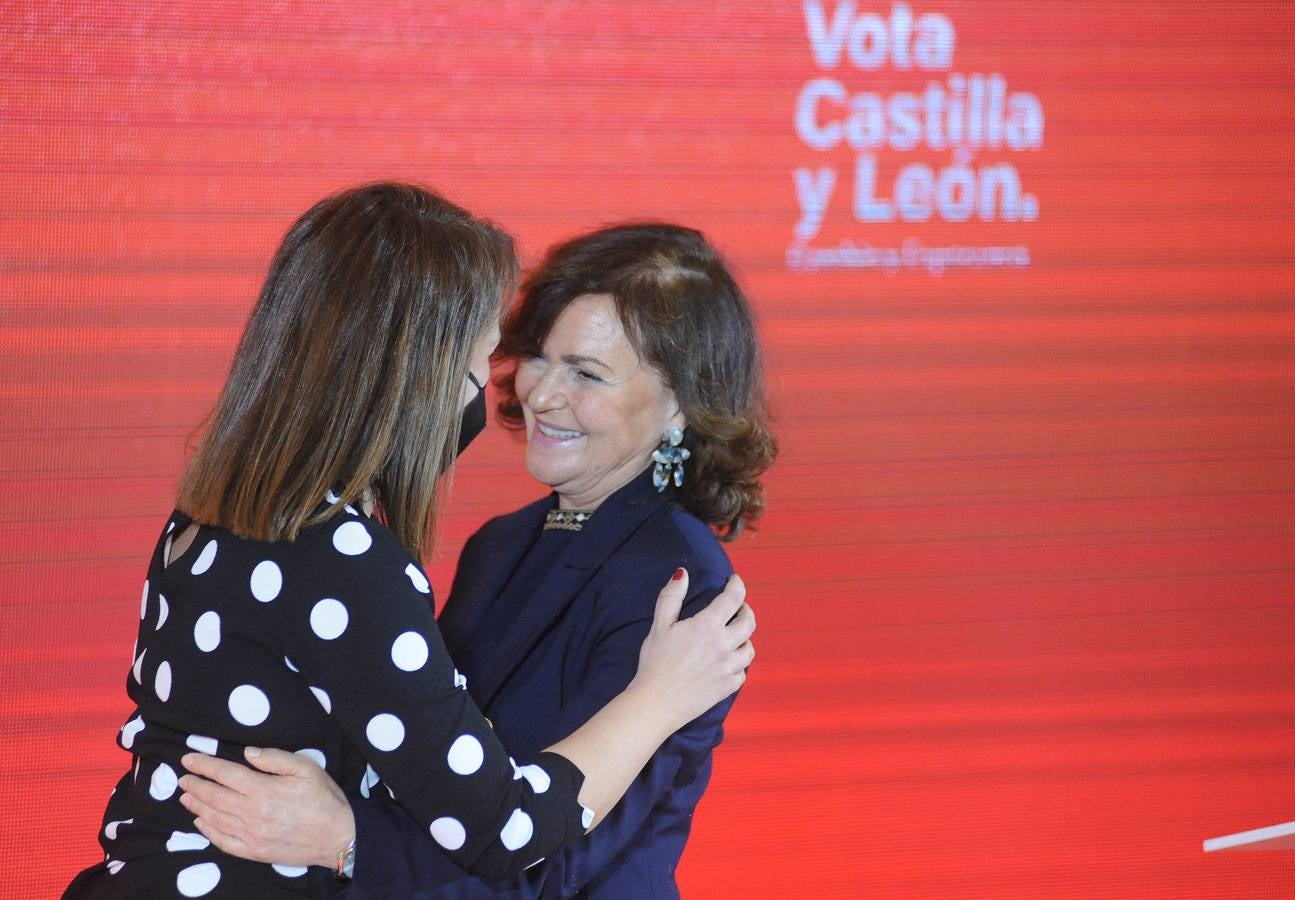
<point x="669" y="457"/>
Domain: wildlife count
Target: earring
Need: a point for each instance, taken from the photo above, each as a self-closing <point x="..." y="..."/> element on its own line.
<point x="669" y="458"/>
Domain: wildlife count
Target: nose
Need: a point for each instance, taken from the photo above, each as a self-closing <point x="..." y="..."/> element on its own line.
<point x="548" y="393"/>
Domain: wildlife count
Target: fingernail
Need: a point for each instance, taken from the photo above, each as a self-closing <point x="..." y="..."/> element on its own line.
<point x="184" y="800"/>
<point x="678" y="574"/>
<point x="253" y="751"/>
<point x="186" y="760"/>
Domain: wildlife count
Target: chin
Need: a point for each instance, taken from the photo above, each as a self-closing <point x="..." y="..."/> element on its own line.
<point x="546" y="474"/>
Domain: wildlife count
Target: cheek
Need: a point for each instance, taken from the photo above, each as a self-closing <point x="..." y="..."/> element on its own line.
<point x="523" y="383"/>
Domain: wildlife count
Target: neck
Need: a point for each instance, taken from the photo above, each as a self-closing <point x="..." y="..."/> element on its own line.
<point x="592" y="499"/>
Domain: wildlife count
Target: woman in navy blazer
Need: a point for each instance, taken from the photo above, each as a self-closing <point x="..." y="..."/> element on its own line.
<point x="631" y="361"/>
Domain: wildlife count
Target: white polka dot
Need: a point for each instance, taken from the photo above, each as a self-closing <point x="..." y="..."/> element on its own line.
<point x="115" y="866"/>
<point x="369" y="780"/>
<point x="202" y="744"/>
<point x="328" y="618"/>
<point x="517" y="770"/>
<point x="331" y="497"/>
<point x="418" y="578"/>
<point x="533" y="865"/>
<point x="134" y="778"/>
<point x="206" y="631"/>
<point x="249" y="705"/>
<point x="352" y="538"/>
<point x="162" y="785"/>
<point x="162" y="681"/>
<point x="110" y="830"/>
<point x="409" y="651"/>
<point x="199" y="880"/>
<point x="315" y="756"/>
<point x="385" y="731"/>
<point x="267" y="581"/>
<point x="517" y="830"/>
<point x="586" y="817"/>
<point x="460" y="681"/>
<point x="351" y="510"/>
<point x="449" y="833"/>
<point x="287" y="662"/>
<point x="143" y="603"/>
<point x="324" y="700"/>
<point x="205" y="558"/>
<point x="138" y="668"/>
<point x="538" y="778"/>
<point x="170" y="526"/>
<point x="465" y="755"/>
<point x="162" y="613"/>
<point x="129" y="730"/>
<point x="181" y="841"/>
<point x="289" y="871"/>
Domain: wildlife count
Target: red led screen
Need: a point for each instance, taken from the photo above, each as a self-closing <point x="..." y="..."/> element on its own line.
<point x="1024" y="279"/>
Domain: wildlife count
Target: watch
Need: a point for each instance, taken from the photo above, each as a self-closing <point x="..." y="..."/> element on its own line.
<point x="346" y="862"/>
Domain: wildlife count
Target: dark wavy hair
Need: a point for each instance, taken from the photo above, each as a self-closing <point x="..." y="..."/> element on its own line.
<point x="685" y="316"/>
<point x="350" y="370"/>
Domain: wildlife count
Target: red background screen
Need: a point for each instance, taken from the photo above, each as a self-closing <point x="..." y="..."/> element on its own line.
<point x="1024" y="279"/>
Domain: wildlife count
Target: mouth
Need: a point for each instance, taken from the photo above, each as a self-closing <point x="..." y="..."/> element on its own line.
<point x="556" y="434"/>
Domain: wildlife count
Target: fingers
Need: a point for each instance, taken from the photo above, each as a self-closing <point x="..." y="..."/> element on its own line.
<point x="728" y="602"/>
<point x="746" y="655"/>
<point x="231" y="774"/>
<point x="741" y="627"/>
<point x="223" y="841"/>
<point x="226" y="822"/>
<point x="214" y="797"/>
<point x="280" y="762"/>
<point x="670" y="601"/>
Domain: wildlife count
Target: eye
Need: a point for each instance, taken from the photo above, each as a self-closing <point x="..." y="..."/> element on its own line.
<point x="586" y="375"/>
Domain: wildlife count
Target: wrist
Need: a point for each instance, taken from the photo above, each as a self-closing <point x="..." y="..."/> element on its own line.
<point x="652" y="710"/>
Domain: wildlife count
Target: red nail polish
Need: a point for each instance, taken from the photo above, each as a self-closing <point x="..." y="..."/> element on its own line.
<point x="678" y="574"/>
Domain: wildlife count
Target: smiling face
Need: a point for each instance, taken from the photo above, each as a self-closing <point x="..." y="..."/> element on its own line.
<point x="594" y="411"/>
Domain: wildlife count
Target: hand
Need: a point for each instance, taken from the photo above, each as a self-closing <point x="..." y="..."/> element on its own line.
<point x="692" y="664"/>
<point x="293" y="814"/>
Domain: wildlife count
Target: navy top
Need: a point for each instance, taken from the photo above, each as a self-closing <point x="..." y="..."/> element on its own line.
<point x="542" y="653"/>
<point x="324" y="645"/>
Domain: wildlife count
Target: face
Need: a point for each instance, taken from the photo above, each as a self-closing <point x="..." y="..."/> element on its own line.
<point x="479" y="362"/>
<point x="594" y="411"/>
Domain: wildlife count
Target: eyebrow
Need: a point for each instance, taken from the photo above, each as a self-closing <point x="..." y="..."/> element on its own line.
<point x="572" y="359"/>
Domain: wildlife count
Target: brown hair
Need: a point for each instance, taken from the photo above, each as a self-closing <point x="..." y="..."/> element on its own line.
<point x="350" y="371"/>
<point x="685" y="315"/>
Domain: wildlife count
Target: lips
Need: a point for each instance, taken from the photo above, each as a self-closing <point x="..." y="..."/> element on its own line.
<point x="556" y="434"/>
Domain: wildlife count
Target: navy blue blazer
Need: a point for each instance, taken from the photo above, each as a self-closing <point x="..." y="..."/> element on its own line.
<point x="540" y="660"/>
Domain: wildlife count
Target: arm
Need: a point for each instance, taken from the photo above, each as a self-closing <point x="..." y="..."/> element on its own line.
<point x="670" y="785"/>
<point x="393" y="838"/>
<point x="699" y="654"/>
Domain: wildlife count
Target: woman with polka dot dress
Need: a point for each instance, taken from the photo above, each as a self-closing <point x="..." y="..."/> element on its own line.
<point x="285" y="606"/>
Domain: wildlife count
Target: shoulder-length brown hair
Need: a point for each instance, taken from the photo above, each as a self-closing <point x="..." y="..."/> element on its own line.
<point x="350" y="371"/>
<point x="685" y="316"/>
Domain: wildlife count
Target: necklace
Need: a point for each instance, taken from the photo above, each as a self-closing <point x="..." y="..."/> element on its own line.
<point x="566" y="519"/>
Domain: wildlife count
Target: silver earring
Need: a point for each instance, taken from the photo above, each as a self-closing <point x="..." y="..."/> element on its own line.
<point x="669" y="458"/>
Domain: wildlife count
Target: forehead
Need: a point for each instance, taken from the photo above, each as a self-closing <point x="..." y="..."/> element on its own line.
<point x="587" y="323"/>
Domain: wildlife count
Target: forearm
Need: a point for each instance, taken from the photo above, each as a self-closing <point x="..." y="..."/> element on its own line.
<point x="615" y="744"/>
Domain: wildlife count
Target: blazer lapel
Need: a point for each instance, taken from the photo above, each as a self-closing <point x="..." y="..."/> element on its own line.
<point x="480" y="579"/>
<point x="540" y="606"/>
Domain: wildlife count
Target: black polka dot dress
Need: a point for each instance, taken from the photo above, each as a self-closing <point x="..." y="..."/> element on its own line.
<point x="325" y="646"/>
